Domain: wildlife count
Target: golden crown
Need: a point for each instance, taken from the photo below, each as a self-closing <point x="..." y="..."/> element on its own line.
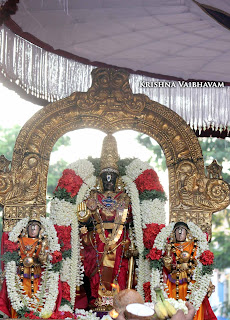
<point x="109" y="154"/>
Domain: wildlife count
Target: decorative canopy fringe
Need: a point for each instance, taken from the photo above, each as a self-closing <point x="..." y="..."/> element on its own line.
<point x="53" y="77"/>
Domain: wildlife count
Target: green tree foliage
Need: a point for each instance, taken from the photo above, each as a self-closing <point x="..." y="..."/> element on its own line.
<point x="7" y="140"/>
<point x="212" y="148"/>
<point x="157" y="153"/>
<point x="54" y="174"/>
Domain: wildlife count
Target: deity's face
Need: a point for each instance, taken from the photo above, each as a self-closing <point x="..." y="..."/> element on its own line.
<point x="180" y="234"/>
<point x="34" y="229"/>
<point x="109" y="180"/>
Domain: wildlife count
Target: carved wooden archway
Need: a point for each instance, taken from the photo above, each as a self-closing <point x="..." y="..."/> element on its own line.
<point x="110" y="105"/>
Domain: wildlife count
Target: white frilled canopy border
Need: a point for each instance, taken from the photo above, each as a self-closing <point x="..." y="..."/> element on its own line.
<point x="51" y="76"/>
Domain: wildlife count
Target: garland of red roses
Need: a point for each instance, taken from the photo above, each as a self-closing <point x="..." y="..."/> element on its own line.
<point x="64" y="239"/>
<point x="149" y="186"/>
<point x="68" y="186"/>
<point x="207" y="260"/>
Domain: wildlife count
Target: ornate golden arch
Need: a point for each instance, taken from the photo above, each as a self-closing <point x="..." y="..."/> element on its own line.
<point x="110" y="105"/>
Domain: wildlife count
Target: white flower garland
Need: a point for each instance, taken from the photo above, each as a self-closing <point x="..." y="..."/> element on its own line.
<point x="17" y="229"/>
<point x="47" y="293"/>
<point x="65" y="308"/>
<point x="86" y="315"/>
<point x="152" y="211"/>
<point x="61" y="212"/>
<point x="200" y="287"/>
<point x="198" y="234"/>
<point x="134" y="197"/>
<point x="83" y="168"/>
<point x="154" y="282"/>
<point x="76" y="268"/>
<point x="51" y="233"/>
<point x="64" y="213"/>
<point x="135" y="168"/>
<point x="146" y="212"/>
<point x="162" y="236"/>
<point x="65" y="271"/>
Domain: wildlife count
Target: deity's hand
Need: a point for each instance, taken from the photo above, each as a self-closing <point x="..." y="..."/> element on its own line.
<point x="211" y="289"/>
<point x="85" y="236"/>
<point x="44" y="252"/>
<point x="167" y="262"/>
<point x="83" y="230"/>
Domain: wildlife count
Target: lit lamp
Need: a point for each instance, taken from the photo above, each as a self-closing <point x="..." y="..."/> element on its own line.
<point x="113" y="314"/>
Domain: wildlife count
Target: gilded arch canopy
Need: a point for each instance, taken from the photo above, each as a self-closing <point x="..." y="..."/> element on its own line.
<point x="110" y="105"/>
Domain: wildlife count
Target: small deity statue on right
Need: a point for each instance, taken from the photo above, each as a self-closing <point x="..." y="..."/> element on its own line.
<point x="180" y="262"/>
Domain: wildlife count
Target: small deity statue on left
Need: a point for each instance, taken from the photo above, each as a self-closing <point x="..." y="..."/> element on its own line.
<point x="26" y="256"/>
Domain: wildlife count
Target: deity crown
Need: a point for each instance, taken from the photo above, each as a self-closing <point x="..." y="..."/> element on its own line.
<point x="109" y="154"/>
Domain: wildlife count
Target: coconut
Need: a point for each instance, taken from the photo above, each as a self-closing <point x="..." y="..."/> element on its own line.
<point x="139" y="311"/>
<point x="125" y="297"/>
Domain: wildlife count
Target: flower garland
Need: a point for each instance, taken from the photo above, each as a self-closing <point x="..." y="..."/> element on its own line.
<point x="152" y="211"/>
<point x="202" y="273"/>
<point x="78" y="181"/>
<point x="51" y="233"/>
<point x="45" y="298"/>
<point x="133" y="193"/>
<point x="17" y="230"/>
<point x="89" y="315"/>
<point x="83" y="168"/>
<point x="140" y="179"/>
<point x="151" y="194"/>
<point x="136" y="168"/>
<point x="198" y="234"/>
<point x="76" y="269"/>
<point x="61" y="212"/>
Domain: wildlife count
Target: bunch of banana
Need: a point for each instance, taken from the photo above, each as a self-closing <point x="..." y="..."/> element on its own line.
<point x="163" y="308"/>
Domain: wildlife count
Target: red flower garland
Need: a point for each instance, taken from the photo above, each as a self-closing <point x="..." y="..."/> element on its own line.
<point x="150" y="233"/>
<point x="65" y="291"/>
<point x="148" y="180"/>
<point x="31" y="315"/>
<point x="63" y="315"/>
<point x="154" y="254"/>
<point x="55" y="315"/>
<point x="10" y="246"/>
<point x="64" y="236"/>
<point x="56" y="257"/>
<point x="207" y="258"/>
<point x="147" y="292"/>
<point x="70" y="182"/>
